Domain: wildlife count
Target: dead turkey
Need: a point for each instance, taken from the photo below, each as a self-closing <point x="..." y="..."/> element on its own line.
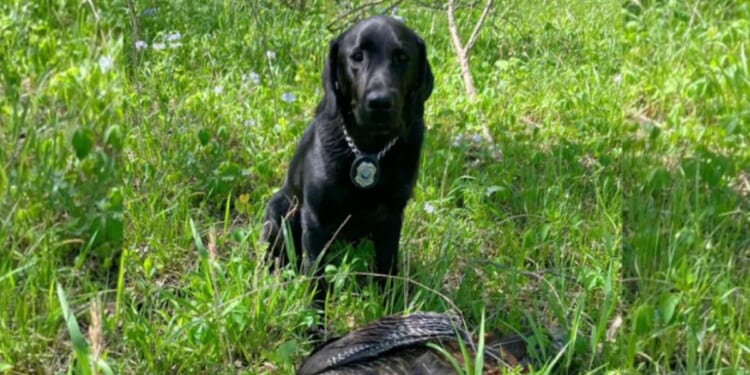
<point x="399" y="345"/>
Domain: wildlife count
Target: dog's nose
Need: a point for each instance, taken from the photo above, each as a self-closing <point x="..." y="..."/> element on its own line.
<point x="379" y="100"/>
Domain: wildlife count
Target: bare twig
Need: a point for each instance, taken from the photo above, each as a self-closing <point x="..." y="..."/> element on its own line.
<point x="429" y="5"/>
<point x="345" y="15"/>
<point x="478" y="26"/>
<point x="290" y="212"/>
<point x="391" y="7"/>
<point x="462" y="52"/>
<point x="363" y="8"/>
<point x="335" y="234"/>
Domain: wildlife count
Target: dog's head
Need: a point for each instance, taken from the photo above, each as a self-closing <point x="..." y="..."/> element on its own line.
<point x="377" y="78"/>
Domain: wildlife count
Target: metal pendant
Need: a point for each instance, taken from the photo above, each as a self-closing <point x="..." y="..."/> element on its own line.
<point x="365" y="171"/>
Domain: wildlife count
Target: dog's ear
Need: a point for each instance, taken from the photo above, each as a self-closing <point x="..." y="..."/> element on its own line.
<point x="331" y="90"/>
<point x="425" y="80"/>
<point x="422" y="87"/>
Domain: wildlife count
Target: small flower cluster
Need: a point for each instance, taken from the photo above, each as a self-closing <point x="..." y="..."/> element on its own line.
<point x="460" y="139"/>
<point x="171" y="40"/>
<point x="105" y="63"/>
<point x="288" y="97"/>
<point x="252" y="77"/>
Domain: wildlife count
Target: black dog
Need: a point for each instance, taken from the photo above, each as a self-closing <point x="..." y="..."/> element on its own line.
<point x="355" y="167"/>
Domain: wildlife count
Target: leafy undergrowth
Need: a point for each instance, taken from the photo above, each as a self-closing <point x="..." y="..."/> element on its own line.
<point x="139" y="143"/>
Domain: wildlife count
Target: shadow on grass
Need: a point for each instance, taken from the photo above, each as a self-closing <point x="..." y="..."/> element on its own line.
<point x="685" y="257"/>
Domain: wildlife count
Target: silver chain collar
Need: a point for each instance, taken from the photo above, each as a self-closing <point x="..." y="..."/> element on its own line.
<point x="356" y="150"/>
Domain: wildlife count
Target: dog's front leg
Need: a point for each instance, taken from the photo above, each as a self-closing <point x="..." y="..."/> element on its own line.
<point x="315" y="236"/>
<point x="386" y="237"/>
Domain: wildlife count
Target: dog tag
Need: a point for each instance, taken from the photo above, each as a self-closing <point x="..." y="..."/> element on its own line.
<point x="364" y="172"/>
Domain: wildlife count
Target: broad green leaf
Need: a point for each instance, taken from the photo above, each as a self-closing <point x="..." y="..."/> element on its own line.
<point x="204" y="137"/>
<point x="83" y="142"/>
<point x="667" y="305"/>
<point x="643" y="319"/>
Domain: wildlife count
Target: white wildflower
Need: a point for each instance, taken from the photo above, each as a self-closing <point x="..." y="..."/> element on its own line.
<point x="148" y="12"/>
<point x="252" y="76"/>
<point x="158" y="46"/>
<point x="139" y="45"/>
<point x="174" y="36"/>
<point x="617" y="78"/>
<point x="105" y="63"/>
<point x="218" y="90"/>
<point x="457" y="140"/>
<point x="288" y="97"/>
<point x="270" y="55"/>
<point x="428" y="208"/>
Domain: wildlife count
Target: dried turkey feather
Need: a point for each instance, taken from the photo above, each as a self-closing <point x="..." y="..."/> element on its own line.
<point x="392" y="345"/>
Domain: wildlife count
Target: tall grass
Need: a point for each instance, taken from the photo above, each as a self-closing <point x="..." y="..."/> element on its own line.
<point x="140" y="141"/>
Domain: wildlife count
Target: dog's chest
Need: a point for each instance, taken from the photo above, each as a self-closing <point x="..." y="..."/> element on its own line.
<point x="368" y="207"/>
<point x="360" y="222"/>
<point x="365" y="207"/>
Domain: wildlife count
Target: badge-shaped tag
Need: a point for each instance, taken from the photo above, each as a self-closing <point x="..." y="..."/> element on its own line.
<point x="364" y="172"/>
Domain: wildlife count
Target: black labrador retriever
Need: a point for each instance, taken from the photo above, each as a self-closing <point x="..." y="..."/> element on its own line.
<point x="356" y="165"/>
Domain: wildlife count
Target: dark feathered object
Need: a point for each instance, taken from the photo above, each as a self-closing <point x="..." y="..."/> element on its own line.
<point x="398" y="345"/>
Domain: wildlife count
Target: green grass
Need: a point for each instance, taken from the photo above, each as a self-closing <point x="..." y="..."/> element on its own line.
<point x="612" y="204"/>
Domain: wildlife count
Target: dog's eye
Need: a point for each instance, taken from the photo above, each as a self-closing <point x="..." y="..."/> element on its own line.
<point x="357" y="56"/>
<point x="401" y="57"/>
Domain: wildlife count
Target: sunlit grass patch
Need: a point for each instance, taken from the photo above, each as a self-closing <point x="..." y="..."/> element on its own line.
<point x="610" y="205"/>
